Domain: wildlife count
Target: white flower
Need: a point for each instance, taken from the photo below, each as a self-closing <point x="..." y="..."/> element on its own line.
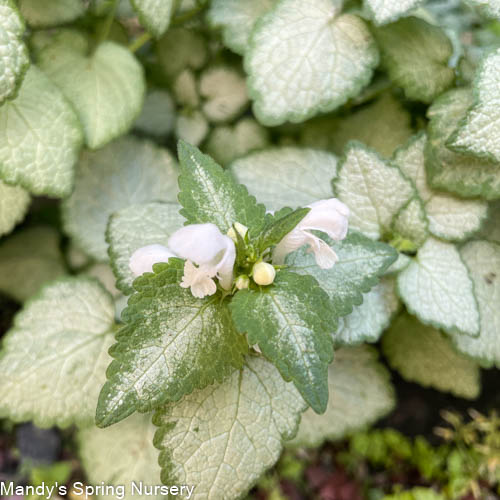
<point x="142" y="260"/>
<point x="208" y="254"/>
<point x="263" y="273"/>
<point x="329" y="216"/>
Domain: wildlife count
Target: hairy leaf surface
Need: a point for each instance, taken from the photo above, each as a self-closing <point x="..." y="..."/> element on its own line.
<point x="287" y="176"/>
<point x="171" y="344"/>
<point x="54" y="358"/>
<point x="437" y="288"/>
<point x="106" y="88"/>
<point x="41" y="138"/>
<point x="360" y="393"/>
<point x="306" y="57"/>
<point x="238" y="425"/>
<point x="291" y="321"/>
<point x="424" y="355"/>
<point x="125" y="172"/>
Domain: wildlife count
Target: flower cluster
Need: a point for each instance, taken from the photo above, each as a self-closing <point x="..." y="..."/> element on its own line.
<point x="211" y="255"/>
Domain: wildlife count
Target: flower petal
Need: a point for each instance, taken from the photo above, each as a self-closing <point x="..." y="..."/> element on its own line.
<point x="325" y="256"/>
<point x="198" y="280"/>
<point x="225" y="267"/>
<point x="203" y="288"/>
<point x="329" y="216"/>
<point x="142" y="260"/>
<point x="291" y="242"/>
<point x="200" y="243"/>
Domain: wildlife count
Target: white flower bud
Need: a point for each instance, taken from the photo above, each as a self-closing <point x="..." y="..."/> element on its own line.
<point x="242" y="282"/>
<point x="263" y="273"/>
<point x="242" y="231"/>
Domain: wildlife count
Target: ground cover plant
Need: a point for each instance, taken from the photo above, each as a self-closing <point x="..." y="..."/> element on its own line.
<point x="224" y="223"/>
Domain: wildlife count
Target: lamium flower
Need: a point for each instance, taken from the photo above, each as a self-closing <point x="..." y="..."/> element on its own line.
<point x="209" y="254"/>
<point x="329" y="216"/>
<point x="142" y="260"/>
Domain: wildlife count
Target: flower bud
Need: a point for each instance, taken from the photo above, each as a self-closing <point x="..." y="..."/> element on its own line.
<point x="242" y="282"/>
<point x="263" y="273"/>
<point x="242" y="231"/>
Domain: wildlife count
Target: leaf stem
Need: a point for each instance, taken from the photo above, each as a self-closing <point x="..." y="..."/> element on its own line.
<point x="139" y="42"/>
<point x="108" y="23"/>
<point x="187" y="16"/>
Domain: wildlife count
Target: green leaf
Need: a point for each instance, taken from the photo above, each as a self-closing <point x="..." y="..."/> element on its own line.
<point x="224" y="91"/>
<point x="291" y="321"/>
<point x="374" y="189"/>
<point x="437" y="288"/>
<point x="171" y="344"/>
<point x="416" y="54"/>
<point x="186" y="91"/>
<point x="449" y="218"/>
<point x="106" y="88"/>
<point x="479" y="132"/>
<point x="483" y="260"/>
<point x="237" y="19"/>
<point x="416" y="494"/>
<point x="235" y="426"/>
<point x="279" y="226"/>
<point x="424" y="355"/>
<point x="360" y="394"/>
<point x="14" y="203"/>
<point x="227" y="143"/>
<point x="402" y="262"/>
<point x="209" y="194"/>
<point x="157" y="117"/>
<point x="104" y="274"/>
<point x="121" y="454"/>
<point x="368" y="320"/>
<point x="280" y="175"/>
<point x="14" y="59"/>
<point x="382" y="125"/>
<point x="361" y="262"/>
<point x="287" y="67"/>
<point x="41" y="138"/>
<point x="50" y="13"/>
<point x="490" y="8"/>
<point x="154" y="15"/>
<point x="126" y="172"/>
<point x="411" y="222"/>
<point x="135" y="227"/>
<point x="53" y="359"/>
<point x="465" y="175"/>
<point x="181" y="48"/>
<point x="453" y="219"/>
<point x="491" y="228"/>
<point x="29" y="259"/>
<point x="191" y="127"/>
<point x="388" y="11"/>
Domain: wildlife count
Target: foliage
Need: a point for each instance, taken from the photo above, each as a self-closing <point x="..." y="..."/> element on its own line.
<point x="350" y="195"/>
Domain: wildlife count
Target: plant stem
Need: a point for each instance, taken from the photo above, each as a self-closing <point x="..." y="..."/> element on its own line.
<point x="182" y="18"/>
<point x="108" y="23"/>
<point x="139" y="42"/>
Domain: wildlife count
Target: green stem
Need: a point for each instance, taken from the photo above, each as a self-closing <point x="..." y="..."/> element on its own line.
<point x="187" y="16"/>
<point x="139" y="42"/>
<point x="108" y="23"/>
